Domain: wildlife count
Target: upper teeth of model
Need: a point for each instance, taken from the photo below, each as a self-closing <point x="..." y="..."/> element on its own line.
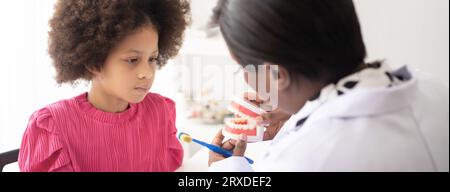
<point x="242" y="121"/>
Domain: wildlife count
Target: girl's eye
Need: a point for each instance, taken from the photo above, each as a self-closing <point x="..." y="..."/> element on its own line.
<point x="153" y="60"/>
<point x="132" y="61"/>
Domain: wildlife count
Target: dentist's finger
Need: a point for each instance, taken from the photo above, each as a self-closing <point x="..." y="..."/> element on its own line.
<point x="229" y="145"/>
<point x="241" y="146"/>
<point x="218" y="139"/>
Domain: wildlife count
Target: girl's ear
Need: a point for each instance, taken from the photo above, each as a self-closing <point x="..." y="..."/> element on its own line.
<point x="93" y="70"/>
<point x="284" y="79"/>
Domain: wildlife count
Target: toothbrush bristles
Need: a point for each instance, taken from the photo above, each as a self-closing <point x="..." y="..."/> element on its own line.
<point x="185" y="137"/>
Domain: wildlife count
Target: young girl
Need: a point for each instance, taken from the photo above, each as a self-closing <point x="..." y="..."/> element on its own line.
<point x="117" y="45"/>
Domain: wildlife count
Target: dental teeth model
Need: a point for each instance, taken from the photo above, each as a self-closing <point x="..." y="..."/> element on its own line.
<point x="244" y="121"/>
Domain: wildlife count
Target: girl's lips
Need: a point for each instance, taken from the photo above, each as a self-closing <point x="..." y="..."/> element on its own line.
<point x="142" y="89"/>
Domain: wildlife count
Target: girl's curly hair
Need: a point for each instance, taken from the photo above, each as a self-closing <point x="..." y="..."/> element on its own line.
<point x="83" y="32"/>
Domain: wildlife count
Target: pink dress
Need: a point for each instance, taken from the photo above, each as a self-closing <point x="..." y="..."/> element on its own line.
<point x="72" y="135"/>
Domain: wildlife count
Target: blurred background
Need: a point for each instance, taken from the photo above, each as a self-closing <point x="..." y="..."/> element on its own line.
<point x="413" y="32"/>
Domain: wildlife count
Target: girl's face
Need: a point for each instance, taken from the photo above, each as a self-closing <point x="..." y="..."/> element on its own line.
<point x="129" y="69"/>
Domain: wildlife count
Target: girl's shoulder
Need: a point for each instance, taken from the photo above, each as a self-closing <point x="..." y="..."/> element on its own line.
<point x="42" y="145"/>
<point x="160" y="103"/>
<point x="159" y="100"/>
<point x="41" y="119"/>
<point x="63" y="106"/>
<point x="48" y="113"/>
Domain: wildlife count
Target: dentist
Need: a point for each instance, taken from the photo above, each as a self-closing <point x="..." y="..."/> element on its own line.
<point x="348" y="115"/>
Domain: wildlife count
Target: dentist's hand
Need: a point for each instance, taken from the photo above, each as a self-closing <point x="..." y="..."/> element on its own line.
<point x="237" y="146"/>
<point x="273" y="120"/>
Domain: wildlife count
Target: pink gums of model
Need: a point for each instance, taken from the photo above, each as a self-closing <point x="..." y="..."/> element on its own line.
<point x="244" y="121"/>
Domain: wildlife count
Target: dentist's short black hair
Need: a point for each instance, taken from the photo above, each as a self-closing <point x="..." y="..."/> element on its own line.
<point x="319" y="39"/>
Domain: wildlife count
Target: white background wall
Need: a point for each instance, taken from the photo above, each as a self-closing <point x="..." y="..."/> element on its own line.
<point x="414" y="32"/>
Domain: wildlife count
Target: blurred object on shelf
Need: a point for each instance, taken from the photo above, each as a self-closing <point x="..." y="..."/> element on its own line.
<point x="209" y="112"/>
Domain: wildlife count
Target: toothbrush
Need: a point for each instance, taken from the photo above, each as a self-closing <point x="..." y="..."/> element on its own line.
<point x="188" y="139"/>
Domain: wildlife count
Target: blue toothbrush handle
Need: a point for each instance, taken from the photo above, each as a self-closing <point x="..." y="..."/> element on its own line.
<point x="219" y="150"/>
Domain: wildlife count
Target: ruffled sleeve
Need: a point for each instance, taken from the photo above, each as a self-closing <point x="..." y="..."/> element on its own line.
<point x="42" y="149"/>
<point x="175" y="155"/>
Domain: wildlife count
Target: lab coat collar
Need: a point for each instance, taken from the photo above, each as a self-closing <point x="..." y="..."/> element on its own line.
<point x="362" y="101"/>
<point x="374" y="101"/>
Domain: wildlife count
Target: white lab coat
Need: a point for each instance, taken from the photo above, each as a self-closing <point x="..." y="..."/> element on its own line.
<point x="402" y="128"/>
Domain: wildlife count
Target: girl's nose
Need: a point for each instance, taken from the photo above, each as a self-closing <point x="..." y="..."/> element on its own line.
<point x="146" y="71"/>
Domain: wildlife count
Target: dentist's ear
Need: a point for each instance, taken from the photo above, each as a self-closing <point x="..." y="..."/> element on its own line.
<point x="284" y="79"/>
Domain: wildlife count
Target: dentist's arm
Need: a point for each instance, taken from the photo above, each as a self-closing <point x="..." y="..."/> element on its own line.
<point x="236" y="163"/>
